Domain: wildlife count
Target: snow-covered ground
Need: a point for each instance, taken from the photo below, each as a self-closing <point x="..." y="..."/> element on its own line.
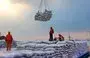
<point x="44" y="49"/>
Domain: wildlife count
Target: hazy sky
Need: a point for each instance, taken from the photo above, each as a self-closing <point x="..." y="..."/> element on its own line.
<point x="17" y="16"/>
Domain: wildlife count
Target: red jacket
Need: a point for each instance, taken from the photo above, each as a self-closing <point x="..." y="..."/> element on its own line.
<point x="60" y="36"/>
<point x="9" y="37"/>
<point x="51" y="31"/>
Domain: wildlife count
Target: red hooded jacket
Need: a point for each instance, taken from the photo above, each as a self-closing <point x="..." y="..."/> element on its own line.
<point x="9" y="37"/>
<point x="60" y="36"/>
<point x="51" y="31"/>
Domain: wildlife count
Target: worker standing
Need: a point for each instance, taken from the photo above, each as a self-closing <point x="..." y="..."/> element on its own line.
<point x="51" y="32"/>
<point x="9" y="40"/>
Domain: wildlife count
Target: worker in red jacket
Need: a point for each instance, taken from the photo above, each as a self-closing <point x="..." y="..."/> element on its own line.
<point x="9" y="40"/>
<point x="51" y="32"/>
<point x="61" y="38"/>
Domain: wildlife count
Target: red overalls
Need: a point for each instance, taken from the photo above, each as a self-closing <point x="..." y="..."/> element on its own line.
<point x="9" y="41"/>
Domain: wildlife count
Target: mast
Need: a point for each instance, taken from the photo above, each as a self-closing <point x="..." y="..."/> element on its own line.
<point x="69" y="36"/>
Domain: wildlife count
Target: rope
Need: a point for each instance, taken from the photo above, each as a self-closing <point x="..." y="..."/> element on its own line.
<point x="43" y="4"/>
<point x="40" y="4"/>
<point x="46" y="5"/>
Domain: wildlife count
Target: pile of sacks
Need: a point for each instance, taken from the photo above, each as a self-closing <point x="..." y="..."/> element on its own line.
<point x="64" y="49"/>
<point x="43" y="16"/>
<point x="47" y="49"/>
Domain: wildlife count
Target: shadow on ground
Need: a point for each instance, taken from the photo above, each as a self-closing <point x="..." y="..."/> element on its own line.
<point x="87" y="55"/>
